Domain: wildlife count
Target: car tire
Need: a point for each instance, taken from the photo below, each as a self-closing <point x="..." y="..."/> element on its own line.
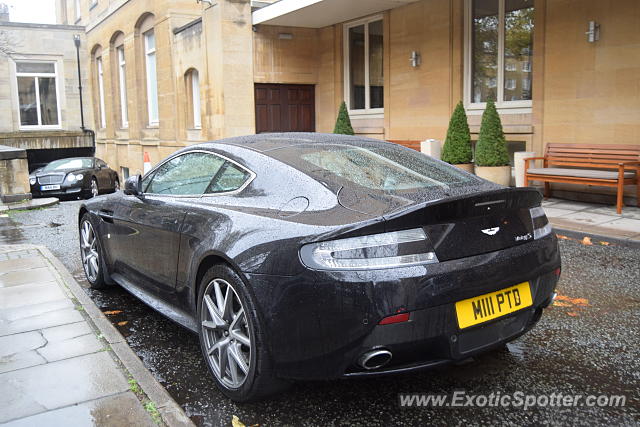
<point x="116" y="185"/>
<point x="90" y="247"/>
<point x="259" y="380"/>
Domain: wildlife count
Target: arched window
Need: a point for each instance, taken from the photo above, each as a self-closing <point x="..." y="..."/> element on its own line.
<point x="99" y="73"/>
<point x="145" y="28"/>
<point x="120" y="77"/>
<point x="194" y="111"/>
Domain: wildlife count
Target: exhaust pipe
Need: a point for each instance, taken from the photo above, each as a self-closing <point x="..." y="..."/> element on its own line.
<point x="374" y="359"/>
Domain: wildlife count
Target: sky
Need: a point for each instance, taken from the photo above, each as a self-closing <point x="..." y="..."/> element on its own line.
<point x="38" y="11"/>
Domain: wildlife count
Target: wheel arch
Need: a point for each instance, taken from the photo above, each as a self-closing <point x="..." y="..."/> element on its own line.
<point x="206" y="262"/>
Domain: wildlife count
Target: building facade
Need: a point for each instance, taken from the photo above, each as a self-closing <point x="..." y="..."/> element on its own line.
<point x="166" y="74"/>
<point x="39" y="91"/>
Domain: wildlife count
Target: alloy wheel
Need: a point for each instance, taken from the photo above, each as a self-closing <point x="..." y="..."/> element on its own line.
<point x="94" y="188"/>
<point x="226" y="334"/>
<point x="89" y="251"/>
<point x="116" y="186"/>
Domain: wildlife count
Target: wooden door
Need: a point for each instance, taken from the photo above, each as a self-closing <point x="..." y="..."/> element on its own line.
<point x="285" y="108"/>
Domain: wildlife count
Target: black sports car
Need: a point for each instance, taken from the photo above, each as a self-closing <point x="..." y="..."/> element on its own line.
<point x="310" y="256"/>
<point x="72" y="177"/>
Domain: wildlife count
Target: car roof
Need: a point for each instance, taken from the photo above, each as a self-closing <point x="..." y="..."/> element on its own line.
<point x="266" y="142"/>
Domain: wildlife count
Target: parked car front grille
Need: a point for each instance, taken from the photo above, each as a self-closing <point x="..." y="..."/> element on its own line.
<point x="51" y="179"/>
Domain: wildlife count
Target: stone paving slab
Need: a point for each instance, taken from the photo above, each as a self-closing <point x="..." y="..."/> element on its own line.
<point x="119" y="410"/>
<point x="595" y="219"/>
<point x="56" y="365"/>
<point x="54" y="385"/>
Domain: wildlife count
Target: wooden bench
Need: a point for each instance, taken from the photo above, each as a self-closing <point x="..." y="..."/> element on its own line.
<point x="584" y="164"/>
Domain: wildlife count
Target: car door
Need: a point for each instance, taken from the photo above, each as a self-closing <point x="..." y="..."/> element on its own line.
<point x="102" y="174"/>
<point x="149" y="237"/>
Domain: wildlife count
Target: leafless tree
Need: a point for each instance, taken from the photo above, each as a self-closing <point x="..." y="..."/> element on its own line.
<point x="8" y="43"/>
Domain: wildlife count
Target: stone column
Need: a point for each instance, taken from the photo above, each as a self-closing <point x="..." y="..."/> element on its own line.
<point x="229" y="102"/>
<point x="14" y="175"/>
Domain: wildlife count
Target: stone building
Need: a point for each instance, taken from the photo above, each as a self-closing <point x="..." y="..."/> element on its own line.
<point x="166" y="74"/>
<point x="39" y="98"/>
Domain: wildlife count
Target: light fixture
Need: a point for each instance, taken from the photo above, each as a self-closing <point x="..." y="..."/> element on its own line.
<point x="209" y="2"/>
<point x="593" y="35"/>
<point x="415" y="59"/>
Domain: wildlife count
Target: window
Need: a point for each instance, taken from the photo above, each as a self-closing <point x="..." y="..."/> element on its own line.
<point x="152" y="81"/>
<point x="122" y="83"/>
<point x="37" y="94"/>
<point x="364" y="72"/>
<point x="187" y="174"/>
<point x="124" y="172"/>
<point x="65" y="164"/>
<point x="500" y="42"/>
<point x="230" y="178"/>
<point x="192" y="81"/>
<point x="103" y="114"/>
<point x="390" y="170"/>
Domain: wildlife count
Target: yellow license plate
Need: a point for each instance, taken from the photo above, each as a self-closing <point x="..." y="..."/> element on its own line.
<point x="490" y="306"/>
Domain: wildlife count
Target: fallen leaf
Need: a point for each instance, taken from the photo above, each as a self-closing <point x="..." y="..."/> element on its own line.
<point x="124" y="322"/>
<point x="605" y="243"/>
<point x="235" y="422"/>
<point x="586" y="241"/>
<point x="572" y="313"/>
<point x="561" y="304"/>
<point x="111" y="312"/>
<point x="560" y="236"/>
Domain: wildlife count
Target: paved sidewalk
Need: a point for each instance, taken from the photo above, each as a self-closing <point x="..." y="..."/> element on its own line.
<point x="57" y="366"/>
<point x="594" y="218"/>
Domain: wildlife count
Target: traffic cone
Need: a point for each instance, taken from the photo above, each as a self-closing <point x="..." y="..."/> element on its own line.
<point x="147" y="162"/>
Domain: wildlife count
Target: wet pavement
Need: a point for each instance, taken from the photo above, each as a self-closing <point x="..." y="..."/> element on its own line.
<point x="588" y="343"/>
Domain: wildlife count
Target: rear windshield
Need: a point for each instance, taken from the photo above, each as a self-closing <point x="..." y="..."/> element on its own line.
<point x="378" y="167"/>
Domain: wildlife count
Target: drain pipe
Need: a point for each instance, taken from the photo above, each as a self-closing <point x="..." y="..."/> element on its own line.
<point x="76" y="41"/>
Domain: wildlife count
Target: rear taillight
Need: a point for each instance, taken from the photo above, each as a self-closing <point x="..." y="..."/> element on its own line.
<point x="541" y="225"/>
<point x="376" y="251"/>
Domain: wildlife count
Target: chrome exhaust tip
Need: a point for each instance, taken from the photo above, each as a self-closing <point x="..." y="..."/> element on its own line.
<point x="374" y="359"/>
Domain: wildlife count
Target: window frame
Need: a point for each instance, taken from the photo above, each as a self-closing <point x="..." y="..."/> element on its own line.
<point x="36" y="77"/>
<point x="101" y="104"/>
<point x="369" y="112"/>
<point x="252" y="176"/>
<point x="122" y="86"/>
<point x="196" y="102"/>
<point x="523" y="106"/>
<point x="78" y="10"/>
<point x="152" y="121"/>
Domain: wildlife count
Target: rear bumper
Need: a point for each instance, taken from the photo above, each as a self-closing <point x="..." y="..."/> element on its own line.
<point x="319" y="323"/>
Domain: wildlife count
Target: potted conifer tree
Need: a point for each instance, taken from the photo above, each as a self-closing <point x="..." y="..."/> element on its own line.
<point x="457" y="145"/>
<point x="343" y="123"/>
<point x="492" y="157"/>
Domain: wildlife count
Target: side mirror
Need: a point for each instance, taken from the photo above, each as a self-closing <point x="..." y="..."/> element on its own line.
<point x="132" y="186"/>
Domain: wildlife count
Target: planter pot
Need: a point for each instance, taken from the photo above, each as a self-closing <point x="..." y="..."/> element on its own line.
<point x="498" y="174"/>
<point x="467" y="167"/>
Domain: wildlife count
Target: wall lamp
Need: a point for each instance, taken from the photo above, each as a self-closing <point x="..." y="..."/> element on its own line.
<point x="593" y="35"/>
<point x="415" y="59"/>
<point x="209" y="2"/>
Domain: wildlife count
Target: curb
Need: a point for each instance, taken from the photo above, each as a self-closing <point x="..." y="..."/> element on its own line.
<point x="579" y="235"/>
<point x="171" y="413"/>
<point x="31" y="204"/>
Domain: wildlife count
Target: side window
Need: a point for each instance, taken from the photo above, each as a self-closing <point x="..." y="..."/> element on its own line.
<point x="188" y="174"/>
<point x="230" y="178"/>
<point x="101" y="163"/>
